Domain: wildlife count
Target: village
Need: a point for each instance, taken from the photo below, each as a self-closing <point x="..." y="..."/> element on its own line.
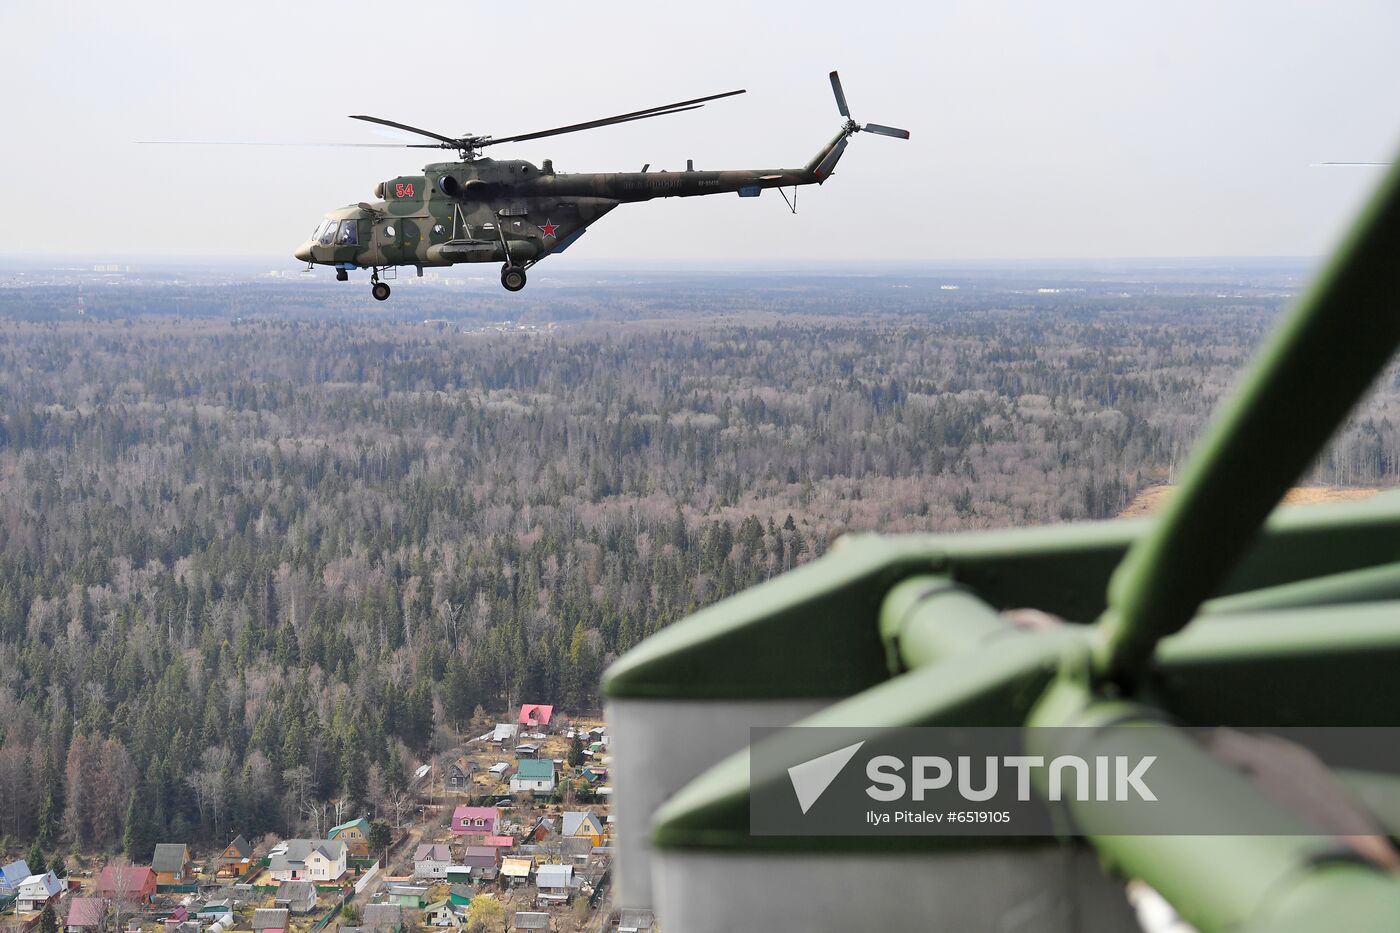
<point x="511" y="832"/>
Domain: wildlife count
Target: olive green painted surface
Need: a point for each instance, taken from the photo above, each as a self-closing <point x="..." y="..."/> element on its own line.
<point x="1241" y="670"/>
<point x="1218" y="882"/>
<point x="1356" y="586"/>
<point x="814" y="632"/>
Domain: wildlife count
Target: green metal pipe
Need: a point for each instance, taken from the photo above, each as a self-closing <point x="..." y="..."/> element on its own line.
<point x="991" y="687"/>
<point x="1305" y="380"/>
<point x="1356" y="586"/>
<point x="1303" y="881"/>
<point x="927" y="619"/>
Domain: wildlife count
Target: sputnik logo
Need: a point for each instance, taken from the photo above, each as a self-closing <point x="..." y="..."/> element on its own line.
<point x="811" y="778"/>
<point x="549" y="228"/>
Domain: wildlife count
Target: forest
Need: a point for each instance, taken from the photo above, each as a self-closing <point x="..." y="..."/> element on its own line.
<point x="260" y="556"/>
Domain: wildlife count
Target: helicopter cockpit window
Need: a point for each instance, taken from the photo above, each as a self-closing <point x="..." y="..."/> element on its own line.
<point x="326" y="232"/>
<point x="349" y="234"/>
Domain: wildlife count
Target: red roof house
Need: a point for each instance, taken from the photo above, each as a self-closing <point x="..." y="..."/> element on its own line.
<point x="126" y="882"/>
<point x="535" y="714"/>
<point x="84" y="913"/>
<point x="476" y="821"/>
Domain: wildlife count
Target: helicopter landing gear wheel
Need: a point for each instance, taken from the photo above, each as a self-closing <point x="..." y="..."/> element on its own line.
<point x="513" y="278"/>
<point x="380" y="291"/>
<point x="342" y="276"/>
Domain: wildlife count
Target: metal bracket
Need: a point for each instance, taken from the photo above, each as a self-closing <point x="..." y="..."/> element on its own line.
<point x="502" y="233"/>
<point x="792" y="205"/>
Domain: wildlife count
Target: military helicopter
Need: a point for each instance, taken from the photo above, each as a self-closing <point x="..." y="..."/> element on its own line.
<point x="513" y="212"/>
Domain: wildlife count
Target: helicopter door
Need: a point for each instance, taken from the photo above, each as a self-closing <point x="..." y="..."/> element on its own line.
<point x="388" y="236"/>
<point x="410" y="236"/>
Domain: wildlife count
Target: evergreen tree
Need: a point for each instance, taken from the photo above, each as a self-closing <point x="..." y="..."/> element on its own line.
<point x="380" y="835"/>
<point x="50" y="801"/>
<point x="139" y="838"/>
<point x="576" y="752"/>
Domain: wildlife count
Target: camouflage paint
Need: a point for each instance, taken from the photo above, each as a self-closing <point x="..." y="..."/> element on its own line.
<point x="462" y="211"/>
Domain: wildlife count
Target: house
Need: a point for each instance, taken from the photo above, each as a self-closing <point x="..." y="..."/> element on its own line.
<point x="431" y="860"/>
<point x="382" y="918"/>
<point x="407" y="895"/>
<point x="11" y="875"/>
<point x="171" y="863"/>
<point x="530" y="921"/>
<point x="635" y="921"/>
<point x="460" y="894"/>
<point x="444" y="913"/>
<point x="481" y="863"/>
<point x="499" y="842"/>
<point x="554" y="883"/>
<point x="535" y="775"/>
<point x="178" y="917"/>
<point x="535" y="715"/>
<point x="595" y="775"/>
<point x="355" y="835"/>
<point x="213" y="910"/>
<point x="582" y="824"/>
<point x="500" y="770"/>
<point x="126" y="883"/>
<point x="476" y="821"/>
<point x="481" y="857"/>
<point x="236" y="859"/>
<point x="504" y="732"/>
<point x="84" y="914"/>
<point x="516" y="869"/>
<point x="270" y="918"/>
<point x="299" y="897"/>
<point x="36" y="891"/>
<point x="307" y="860"/>
<point x="542" y="830"/>
<point x="460" y="774"/>
<point x="526" y="751"/>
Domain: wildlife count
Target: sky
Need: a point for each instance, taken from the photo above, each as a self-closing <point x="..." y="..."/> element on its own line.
<point x="1040" y="130"/>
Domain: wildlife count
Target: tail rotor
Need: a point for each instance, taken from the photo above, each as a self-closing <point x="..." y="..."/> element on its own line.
<point x="851" y="126"/>
<point x="826" y="160"/>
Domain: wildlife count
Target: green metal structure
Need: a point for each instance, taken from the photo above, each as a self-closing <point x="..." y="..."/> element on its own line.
<point x="1225" y="610"/>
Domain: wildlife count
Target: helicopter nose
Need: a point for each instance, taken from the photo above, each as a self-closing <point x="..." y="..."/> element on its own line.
<point x="304" y="251"/>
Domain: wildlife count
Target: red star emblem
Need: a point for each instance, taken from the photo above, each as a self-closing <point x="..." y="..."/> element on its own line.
<point x="549" y="228"/>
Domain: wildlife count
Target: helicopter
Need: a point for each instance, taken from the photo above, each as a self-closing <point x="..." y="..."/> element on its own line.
<point x="510" y="211"/>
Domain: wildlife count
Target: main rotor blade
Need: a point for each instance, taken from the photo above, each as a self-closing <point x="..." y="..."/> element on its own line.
<point x="840" y="95"/>
<point x="610" y="122"/>
<point x="879" y="130"/>
<point x="223" y="142"/>
<point x="1347" y="164"/>
<point x="660" y="111"/>
<point x="403" y="126"/>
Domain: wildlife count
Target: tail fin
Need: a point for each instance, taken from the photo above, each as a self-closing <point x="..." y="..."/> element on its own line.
<point x="824" y="161"/>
